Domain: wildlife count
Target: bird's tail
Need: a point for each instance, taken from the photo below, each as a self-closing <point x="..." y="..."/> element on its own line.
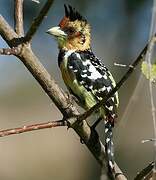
<point x="109" y="146"/>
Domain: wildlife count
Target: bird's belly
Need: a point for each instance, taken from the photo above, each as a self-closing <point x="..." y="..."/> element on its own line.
<point x="85" y="97"/>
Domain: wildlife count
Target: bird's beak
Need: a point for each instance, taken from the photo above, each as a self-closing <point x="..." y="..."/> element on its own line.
<point x="56" y="31"/>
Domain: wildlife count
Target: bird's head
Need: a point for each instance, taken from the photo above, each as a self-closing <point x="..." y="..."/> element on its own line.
<point x="73" y="31"/>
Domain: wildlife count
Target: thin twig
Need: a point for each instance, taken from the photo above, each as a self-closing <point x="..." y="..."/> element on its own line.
<point x="145" y="172"/>
<point x="38" y="20"/>
<point x="9" y="51"/>
<point x="122" y="65"/>
<point x="36" y="1"/>
<point x="148" y="140"/>
<point x="18" y="17"/>
<point x="32" y="127"/>
<point x="119" y="84"/>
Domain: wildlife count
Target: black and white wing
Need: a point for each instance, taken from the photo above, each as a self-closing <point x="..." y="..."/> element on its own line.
<point x="95" y="77"/>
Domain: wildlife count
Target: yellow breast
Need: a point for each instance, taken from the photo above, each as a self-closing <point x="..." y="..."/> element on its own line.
<point x="78" y="89"/>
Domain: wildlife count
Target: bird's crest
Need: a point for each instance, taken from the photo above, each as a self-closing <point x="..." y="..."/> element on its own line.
<point x="72" y="14"/>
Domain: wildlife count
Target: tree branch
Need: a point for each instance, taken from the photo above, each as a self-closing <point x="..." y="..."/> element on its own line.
<point x="9" y="51"/>
<point x="145" y="173"/>
<point x="7" y="33"/>
<point x="38" y="20"/>
<point x="18" y="16"/>
<point x="32" y="127"/>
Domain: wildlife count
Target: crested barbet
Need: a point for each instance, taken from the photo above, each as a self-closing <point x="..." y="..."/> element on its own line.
<point x="85" y="76"/>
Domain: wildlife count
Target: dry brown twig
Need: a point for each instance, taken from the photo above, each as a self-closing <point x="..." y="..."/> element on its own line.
<point x="8" y="51"/>
<point x="18" y="17"/>
<point x="69" y="111"/>
<point x="33" y="127"/>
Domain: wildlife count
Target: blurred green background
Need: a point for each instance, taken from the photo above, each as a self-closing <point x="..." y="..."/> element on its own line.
<point x="120" y="29"/>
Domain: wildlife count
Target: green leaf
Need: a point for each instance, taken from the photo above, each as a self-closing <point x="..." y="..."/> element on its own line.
<point x="144" y="69"/>
<point x="149" y="73"/>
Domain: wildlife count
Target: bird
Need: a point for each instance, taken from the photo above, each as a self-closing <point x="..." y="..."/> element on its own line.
<point x="85" y="75"/>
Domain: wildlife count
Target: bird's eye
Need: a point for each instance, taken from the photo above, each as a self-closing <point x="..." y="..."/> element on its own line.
<point x="70" y="30"/>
